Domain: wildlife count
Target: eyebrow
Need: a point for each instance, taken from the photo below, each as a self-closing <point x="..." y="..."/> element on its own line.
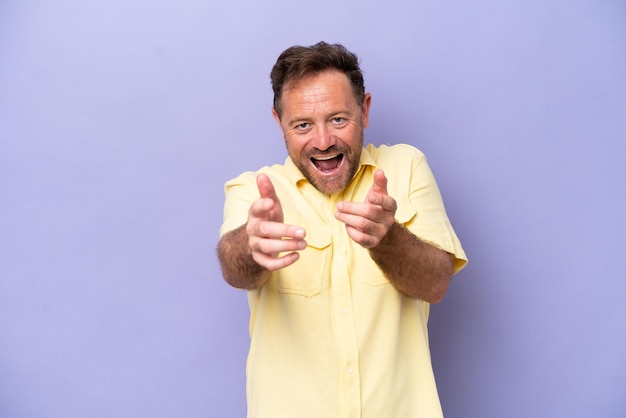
<point x="300" y="119"/>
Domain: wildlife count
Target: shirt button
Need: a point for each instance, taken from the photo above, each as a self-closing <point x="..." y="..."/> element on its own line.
<point x="340" y="258"/>
<point x="344" y="311"/>
<point x="350" y="369"/>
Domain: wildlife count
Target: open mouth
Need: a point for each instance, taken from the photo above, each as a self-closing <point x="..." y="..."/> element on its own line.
<point x="327" y="164"/>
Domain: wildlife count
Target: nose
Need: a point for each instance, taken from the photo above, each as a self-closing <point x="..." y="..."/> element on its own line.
<point x="323" y="139"/>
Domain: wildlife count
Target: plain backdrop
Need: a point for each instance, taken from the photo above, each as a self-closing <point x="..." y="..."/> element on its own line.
<point x="120" y="121"/>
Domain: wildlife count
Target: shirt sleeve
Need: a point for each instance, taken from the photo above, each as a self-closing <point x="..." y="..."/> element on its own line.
<point x="431" y="222"/>
<point x="239" y="195"/>
<point x="420" y="205"/>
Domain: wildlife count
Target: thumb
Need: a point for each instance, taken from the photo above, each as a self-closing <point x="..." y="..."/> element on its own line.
<point x="380" y="183"/>
<point x="266" y="188"/>
<point x="267" y="191"/>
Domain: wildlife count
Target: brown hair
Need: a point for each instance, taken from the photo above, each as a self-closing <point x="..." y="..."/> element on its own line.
<point x="297" y="62"/>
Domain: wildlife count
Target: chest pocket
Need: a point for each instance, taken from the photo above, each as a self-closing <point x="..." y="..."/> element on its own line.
<point x="307" y="276"/>
<point x="371" y="273"/>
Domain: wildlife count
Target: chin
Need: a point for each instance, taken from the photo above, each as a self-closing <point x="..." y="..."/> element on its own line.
<point x="330" y="186"/>
<point x="327" y="184"/>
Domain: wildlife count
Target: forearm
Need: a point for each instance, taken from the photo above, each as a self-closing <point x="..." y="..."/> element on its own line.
<point x="238" y="267"/>
<point x="414" y="267"/>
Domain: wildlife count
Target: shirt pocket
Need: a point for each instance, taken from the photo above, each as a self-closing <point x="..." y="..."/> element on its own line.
<point x="306" y="276"/>
<point x="372" y="275"/>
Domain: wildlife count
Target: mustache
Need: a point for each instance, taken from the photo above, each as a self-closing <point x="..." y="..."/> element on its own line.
<point x="333" y="149"/>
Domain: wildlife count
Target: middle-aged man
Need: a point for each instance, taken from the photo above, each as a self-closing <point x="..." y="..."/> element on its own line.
<point x="342" y="250"/>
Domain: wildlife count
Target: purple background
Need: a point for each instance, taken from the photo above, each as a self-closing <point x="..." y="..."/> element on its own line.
<point x="121" y="120"/>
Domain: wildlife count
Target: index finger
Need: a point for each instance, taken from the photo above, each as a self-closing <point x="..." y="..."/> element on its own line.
<point x="278" y="230"/>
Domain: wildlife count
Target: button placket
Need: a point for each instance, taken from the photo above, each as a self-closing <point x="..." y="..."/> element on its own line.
<point x="341" y="289"/>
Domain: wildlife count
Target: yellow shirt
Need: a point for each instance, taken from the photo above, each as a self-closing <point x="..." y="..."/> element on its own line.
<point x="330" y="336"/>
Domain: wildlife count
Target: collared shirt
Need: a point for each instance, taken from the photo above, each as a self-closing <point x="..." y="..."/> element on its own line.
<point x="330" y="336"/>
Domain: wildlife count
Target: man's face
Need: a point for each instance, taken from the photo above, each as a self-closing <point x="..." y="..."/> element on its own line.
<point x="322" y="125"/>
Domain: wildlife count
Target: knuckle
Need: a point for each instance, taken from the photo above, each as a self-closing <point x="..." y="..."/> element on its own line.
<point x="264" y="229"/>
<point x="361" y="224"/>
<point x="252" y="242"/>
<point x="265" y="247"/>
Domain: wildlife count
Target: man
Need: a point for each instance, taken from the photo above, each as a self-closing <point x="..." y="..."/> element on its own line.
<point x="342" y="249"/>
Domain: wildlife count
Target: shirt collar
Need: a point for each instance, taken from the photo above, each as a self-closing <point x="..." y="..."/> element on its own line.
<point x="366" y="158"/>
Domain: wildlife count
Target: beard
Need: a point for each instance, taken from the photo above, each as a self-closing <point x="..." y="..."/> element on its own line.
<point x="343" y="167"/>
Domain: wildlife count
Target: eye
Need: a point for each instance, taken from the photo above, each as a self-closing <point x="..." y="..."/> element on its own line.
<point x="338" y="121"/>
<point x="302" y="126"/>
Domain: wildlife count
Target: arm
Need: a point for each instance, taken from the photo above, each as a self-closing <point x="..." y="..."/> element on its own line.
<point x="250" y="253"/>
<point x="238" y="266"/>
<point x="414" y="267"/>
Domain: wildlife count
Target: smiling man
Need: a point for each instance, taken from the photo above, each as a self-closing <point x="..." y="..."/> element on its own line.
<point x="342" y="249"/>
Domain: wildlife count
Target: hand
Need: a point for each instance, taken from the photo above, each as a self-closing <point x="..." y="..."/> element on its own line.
<point x="367" y="223"/>
<point x="268" y="236"/>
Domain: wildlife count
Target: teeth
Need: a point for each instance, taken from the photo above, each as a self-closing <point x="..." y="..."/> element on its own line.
<point x="325" y="158"/>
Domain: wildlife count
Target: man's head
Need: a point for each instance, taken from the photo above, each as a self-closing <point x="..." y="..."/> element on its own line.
<point x="322" y="109"/>
<point x="297" y="62"/>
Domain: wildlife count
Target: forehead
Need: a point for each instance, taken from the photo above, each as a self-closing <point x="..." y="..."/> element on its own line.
<point x="328" y="86"/>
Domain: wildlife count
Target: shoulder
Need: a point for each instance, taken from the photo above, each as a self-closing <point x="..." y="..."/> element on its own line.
<point x="276" y="173"/>
<point x="390" y="155"/>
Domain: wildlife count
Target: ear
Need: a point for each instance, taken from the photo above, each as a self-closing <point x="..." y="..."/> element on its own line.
<point x="275" y="115"/>
<point x="365" y="109"/>
<point x="277" y="119"/>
